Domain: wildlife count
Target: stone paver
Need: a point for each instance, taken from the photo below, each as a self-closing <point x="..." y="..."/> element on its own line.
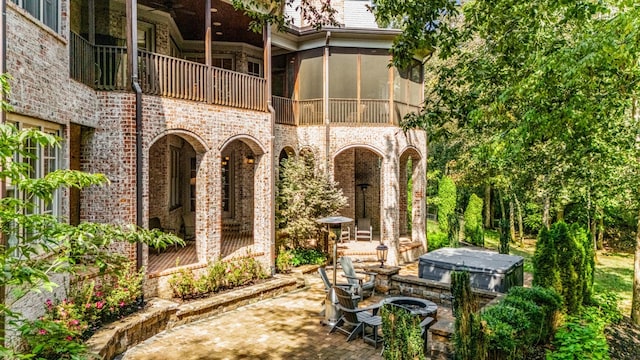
<point x="287" y="327"/>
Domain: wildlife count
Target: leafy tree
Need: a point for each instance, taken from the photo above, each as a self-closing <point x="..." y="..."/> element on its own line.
<point x="473" y="230"/>
<point x="29" y="235"/>
<point x="504" y="237"/>
<point x="446" y="202"/>
<point x="546" y="88"/>
<point x="303" y="197"/>
<point x="317" y="13"/>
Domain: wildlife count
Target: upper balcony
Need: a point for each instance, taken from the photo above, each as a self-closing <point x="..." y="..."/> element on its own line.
<point x="359" y="87"/>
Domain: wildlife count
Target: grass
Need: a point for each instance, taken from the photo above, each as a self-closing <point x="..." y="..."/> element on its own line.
<point x="614" y="270"/>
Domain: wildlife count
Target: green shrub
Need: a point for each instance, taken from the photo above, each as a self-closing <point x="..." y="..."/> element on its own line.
<point x="563" y="262"/>
<point x="469" y="336"/>
<point x="581" y="337"/>
<point x="305" y="256"/>
<point x="401" y="331"/>
<point x="545" y="264"/>
<point x="446" y="202"/>
<point x="525" y="317"/>
<point x="607" y="304"/>
<point x="437" y="241"/>
<point x="473" y="231"/>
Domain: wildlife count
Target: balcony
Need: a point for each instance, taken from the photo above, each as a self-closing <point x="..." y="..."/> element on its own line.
<point x="352" y="112"/>
<point x="104" y="68"/>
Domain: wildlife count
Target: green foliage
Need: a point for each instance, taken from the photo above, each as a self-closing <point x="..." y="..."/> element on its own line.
<point x="31" y="234"/>
<point x="297" y="257"/>
<point x="446" y="202"/>
<point x="437" y="240"/>
<point x="607" y="304"/>
<point x="525" y="317"/>
<point x="218" y="276"/>
<point x="61" y="331"/>
<point x="504" y="237"/>
<point x="473" y="228"/>
<point x="401" y="332"/>
<point x="454" y="230"/>
<point x="562" y="262"/>
<point x="303" y="197"/>
<point x="545" y="263"/>
<point x="469" y="336"/>
<point x="581" y="337"/>
<point x="316" y="13"/>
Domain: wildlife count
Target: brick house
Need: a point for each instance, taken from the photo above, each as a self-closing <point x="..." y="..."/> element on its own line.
<point x="196" y="150"/>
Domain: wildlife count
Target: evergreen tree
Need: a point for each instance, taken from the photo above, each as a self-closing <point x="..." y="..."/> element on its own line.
<point x="446" y="202"/>
<point x="473" y="231"/>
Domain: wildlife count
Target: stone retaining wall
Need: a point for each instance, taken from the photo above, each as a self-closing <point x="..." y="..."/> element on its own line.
<point x="160" y="315"/>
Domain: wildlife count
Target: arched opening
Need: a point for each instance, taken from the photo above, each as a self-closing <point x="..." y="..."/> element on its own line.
<point x="410" y="193"/>
<point x="357" y="172"/>
<point x="240" y="159"/>
<point x="173" y="168"/>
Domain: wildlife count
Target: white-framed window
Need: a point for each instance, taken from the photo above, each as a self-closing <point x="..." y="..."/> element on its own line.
<point x="47" y="11"/>
<point x="175" y="195"/>
<point x="43" y="160"/>
<point x="254" y="67"/>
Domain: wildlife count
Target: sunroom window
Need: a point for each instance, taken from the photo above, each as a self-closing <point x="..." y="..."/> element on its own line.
<point x="47" y="11"/>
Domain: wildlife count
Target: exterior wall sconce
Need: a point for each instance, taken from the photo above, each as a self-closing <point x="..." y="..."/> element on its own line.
<point x="381" y="251"/>
<point x="250" y="159"/>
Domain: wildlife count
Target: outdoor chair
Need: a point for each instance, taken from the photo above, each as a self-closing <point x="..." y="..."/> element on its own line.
<point x="364" y="286"/>
<point x="354" y="320"/>
<point x="345" y="234"/>
<point x="345" y="286"/>
<point x="364" y="230"/>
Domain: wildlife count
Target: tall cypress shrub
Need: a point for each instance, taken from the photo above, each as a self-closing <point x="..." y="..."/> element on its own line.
<point x="446" y="202"/>
<point x="564" y="260"/>
<point x="545" y="262"/>
<point x="473" y="231"/>
<point x="469" y="336"/>
<point x="454" y="230"/>
<point x="504" y="237"/>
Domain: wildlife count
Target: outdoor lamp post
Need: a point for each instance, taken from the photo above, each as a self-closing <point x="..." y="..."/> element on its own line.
<point x="381" y="252"/>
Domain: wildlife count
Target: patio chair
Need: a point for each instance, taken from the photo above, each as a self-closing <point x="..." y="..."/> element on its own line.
<point x="364" y="230"/>
<point x="345" y="286"/>
<point x="354" y="319"/>
<point x="345" y="234"/>
<point x="363" y="288"/>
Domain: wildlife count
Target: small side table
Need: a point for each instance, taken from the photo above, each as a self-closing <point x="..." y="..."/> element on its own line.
<point x="375" y="322"/>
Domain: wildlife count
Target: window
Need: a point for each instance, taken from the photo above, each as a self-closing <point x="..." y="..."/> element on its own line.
<point x="175" y="198"/>
<point x="254" y="67"/>
<point x="47" y="11"/>
<point x="146" y="36"/>
<point x="42" y="160"/>
<point x="223" y="61"/>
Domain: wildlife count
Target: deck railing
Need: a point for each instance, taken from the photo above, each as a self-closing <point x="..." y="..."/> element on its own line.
<point x="104" y="67"/>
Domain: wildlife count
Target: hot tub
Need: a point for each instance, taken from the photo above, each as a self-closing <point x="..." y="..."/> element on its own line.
<point x="487" y="270"/>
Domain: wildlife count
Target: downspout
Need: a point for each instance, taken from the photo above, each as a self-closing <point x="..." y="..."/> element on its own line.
<point x="325" y="109"/>
<point x="132" y="46"/>
<point x="3" y="185"/>
<point x="273" y="163"/>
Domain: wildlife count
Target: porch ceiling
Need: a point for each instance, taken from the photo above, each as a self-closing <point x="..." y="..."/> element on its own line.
<point x="189" y="17"/>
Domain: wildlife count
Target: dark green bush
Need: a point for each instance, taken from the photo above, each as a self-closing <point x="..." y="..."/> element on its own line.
<point x="454" y="230"/>
<point x="401" y="331"/>
<point x="545" y="264"/>
<point x="446" y="202"/>
<point x="473" y="230"/>
<point x="525" y="317"/>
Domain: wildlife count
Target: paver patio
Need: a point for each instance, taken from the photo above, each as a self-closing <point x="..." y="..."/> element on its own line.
<point x="287" y="327"/>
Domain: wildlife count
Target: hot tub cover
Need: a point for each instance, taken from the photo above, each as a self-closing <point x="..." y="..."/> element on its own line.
<point x="488" y="270"/>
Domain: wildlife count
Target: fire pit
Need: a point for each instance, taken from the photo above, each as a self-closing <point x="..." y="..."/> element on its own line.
<point x="416" y="306"/>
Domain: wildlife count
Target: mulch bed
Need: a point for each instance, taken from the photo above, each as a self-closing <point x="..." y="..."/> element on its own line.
<point x="624" y="340"/>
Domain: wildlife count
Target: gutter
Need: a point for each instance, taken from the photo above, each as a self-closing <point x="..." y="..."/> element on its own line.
<point x="132" y="46"/>
<point x="273" y="162"/>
